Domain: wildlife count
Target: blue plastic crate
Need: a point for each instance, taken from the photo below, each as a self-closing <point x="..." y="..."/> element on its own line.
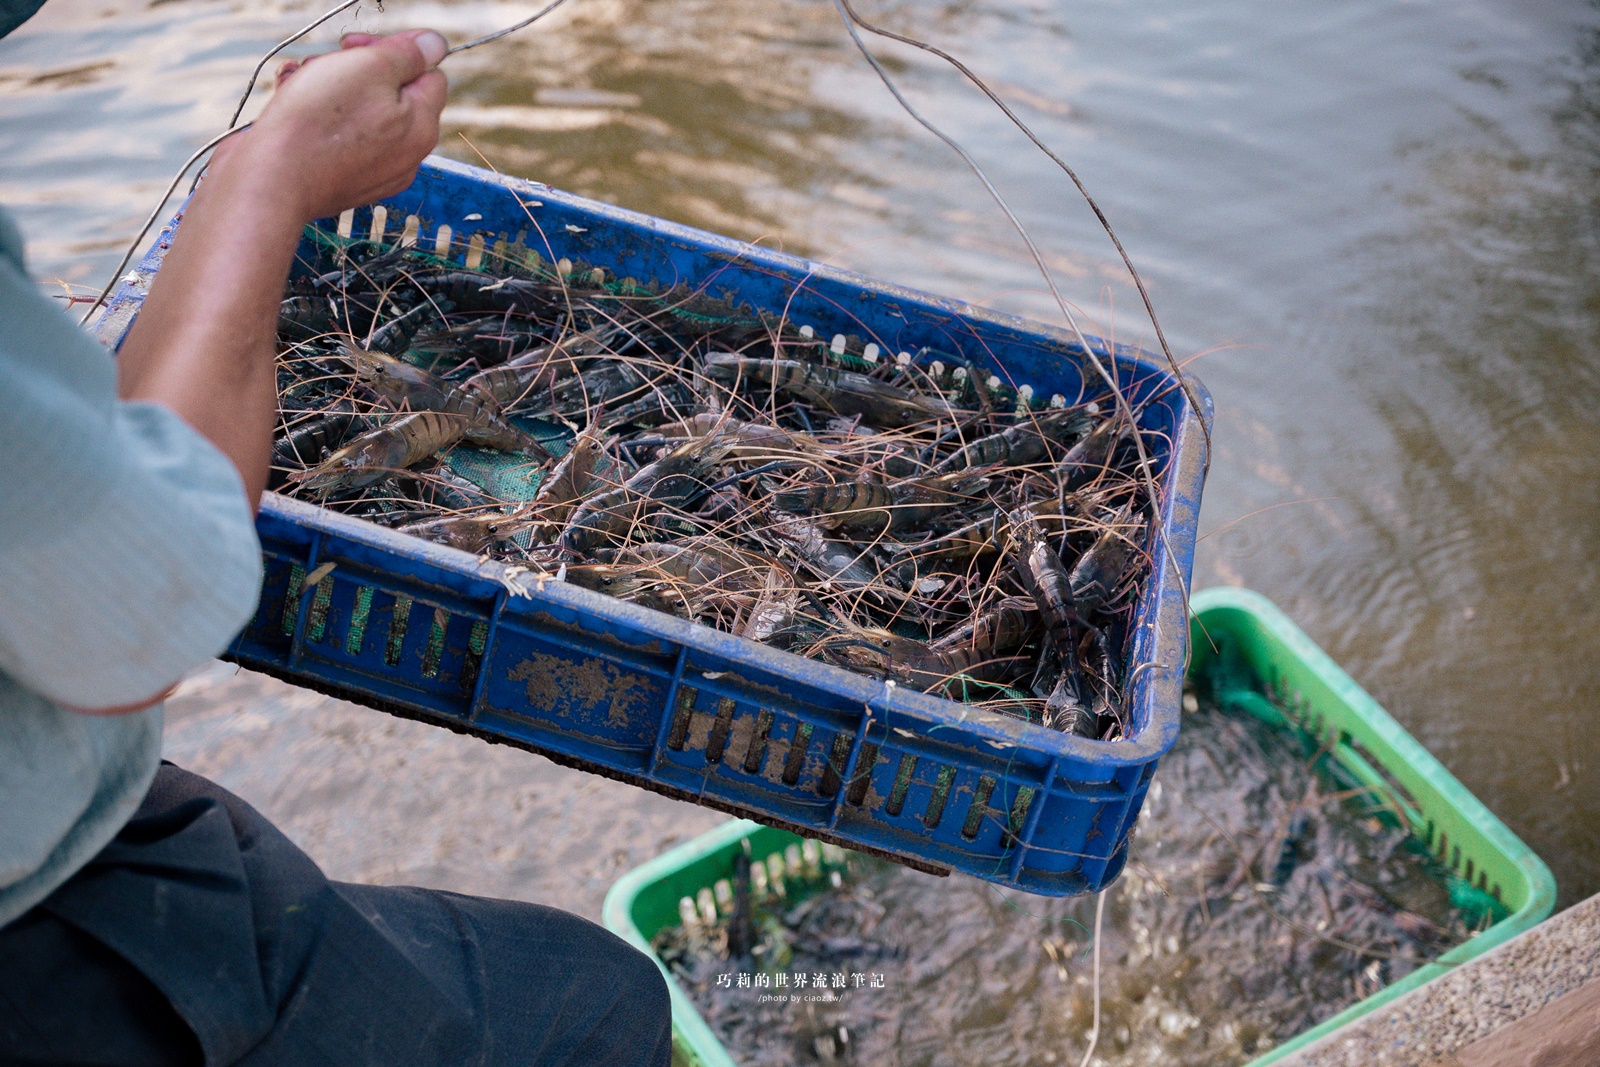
<point x="432" y="633"/>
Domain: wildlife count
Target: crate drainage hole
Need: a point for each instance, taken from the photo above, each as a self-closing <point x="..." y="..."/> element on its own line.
<point x="862" y="778"/>
<point x="902" y="782"/>
<point x="1019" y="814"/>
<point x="678" y="735"/>
<point x="941" y="793"/>
<point x="318" y="621"/>
<point x="756" y="754"/>
<point x="979" y="807"/>
<point x="358" y="621"/>
<point x="719" y="730"/>
<point x="796" y="761"/>
<point x="291" y="599"/>
<point x="399" y="619"/>
<point x="477" y="639"/>
<point x="834" y="768"/>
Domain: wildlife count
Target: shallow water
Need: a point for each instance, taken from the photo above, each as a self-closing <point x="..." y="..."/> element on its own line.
<point x="1374" y="223"/>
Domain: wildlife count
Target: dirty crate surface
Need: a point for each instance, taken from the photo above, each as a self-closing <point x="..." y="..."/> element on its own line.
<point x="1259" y="650"/>
<point x="432" y="633"/>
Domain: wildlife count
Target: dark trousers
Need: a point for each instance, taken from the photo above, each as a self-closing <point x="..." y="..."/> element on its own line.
<point x="202" y="935"/>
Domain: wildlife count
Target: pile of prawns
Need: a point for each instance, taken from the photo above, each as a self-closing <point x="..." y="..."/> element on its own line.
<point x="911" y="518"/>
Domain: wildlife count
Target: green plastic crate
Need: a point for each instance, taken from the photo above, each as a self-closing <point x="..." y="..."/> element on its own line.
<point x="1240" y="635"/>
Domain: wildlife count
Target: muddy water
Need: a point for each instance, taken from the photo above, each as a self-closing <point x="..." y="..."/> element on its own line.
<point x="1374" y="224"/>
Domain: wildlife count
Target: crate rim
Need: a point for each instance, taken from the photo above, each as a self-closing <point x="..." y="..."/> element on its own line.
<point x="757" y="253"/>
<point x="1189" y="457"/>
<point x="1093" y="776"/>
<point x="692" y="1034"/>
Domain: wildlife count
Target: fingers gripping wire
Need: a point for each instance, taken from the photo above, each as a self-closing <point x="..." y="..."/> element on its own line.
<point x="234" y="128"/>
<point x="250" y="86"/>
<point x="205" y="149"/>
<point x="255" y="76"/>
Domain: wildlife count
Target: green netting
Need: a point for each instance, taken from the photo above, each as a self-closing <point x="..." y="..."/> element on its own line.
<point x="291" y="603"/>
<point x="398" y="625"/>
<point x="358" y="620"/>
<point x="507" y="475"/>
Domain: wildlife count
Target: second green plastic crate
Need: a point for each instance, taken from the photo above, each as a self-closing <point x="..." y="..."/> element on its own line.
<point x="1247" y="645"/>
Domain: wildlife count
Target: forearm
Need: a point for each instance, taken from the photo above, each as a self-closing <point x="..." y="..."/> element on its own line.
<point x="349" y="129"/>
<point x="203" y="342"/>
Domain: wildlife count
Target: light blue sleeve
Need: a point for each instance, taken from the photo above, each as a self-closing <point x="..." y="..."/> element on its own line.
<point x="128" y="553"/>
<point x="68" y="783"/>
<point x="127" y="557"/>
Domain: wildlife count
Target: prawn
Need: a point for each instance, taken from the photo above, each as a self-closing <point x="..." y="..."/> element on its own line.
<point x="832" y="388"/>
<point x="396" y="445"/>
<point x="470" y="533"/>
<point x="1020" y="444"/>
<point x="1048" y="583"/>
<point x="871" y="506"/>
<point x="408" y="387"/>
<point x="677" y="479"/>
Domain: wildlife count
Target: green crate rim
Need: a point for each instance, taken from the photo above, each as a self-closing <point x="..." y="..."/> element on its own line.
<point x="1364" y="737"/>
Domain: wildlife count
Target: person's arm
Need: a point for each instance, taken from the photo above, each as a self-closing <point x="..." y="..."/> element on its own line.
<point x="345" y="130"/>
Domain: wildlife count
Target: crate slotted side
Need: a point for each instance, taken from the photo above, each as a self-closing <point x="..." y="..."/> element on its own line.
<point x="432" y="633"/>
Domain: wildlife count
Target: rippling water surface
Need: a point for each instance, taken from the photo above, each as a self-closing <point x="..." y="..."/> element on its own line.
<point x="1372" y="224"/>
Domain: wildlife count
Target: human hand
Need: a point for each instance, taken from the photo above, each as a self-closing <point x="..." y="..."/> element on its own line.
<point x="349" y="128"/>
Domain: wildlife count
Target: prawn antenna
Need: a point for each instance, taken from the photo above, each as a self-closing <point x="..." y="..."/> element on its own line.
<point x="1105" y="223"/>
<point x="513" y="28"/>
<point x="1072" y="322"/>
